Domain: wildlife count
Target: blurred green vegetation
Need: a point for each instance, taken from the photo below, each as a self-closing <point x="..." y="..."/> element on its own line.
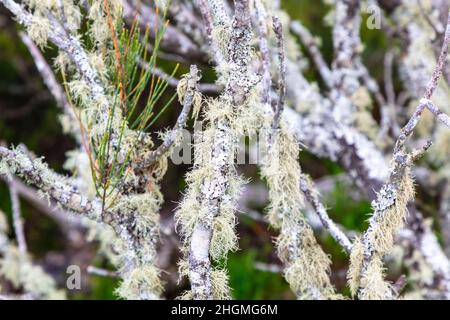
<point x="249" y="283"/>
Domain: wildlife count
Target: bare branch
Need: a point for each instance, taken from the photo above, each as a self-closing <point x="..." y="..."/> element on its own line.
<point x="311" y="45"/>
<point x="52" y="84"/>
<point x="17" y="218"/>
<point x="311" y="194"/>
<point x="102" y="272"/>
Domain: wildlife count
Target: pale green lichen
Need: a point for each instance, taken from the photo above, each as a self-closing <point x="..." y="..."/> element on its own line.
<point x="196" y="100"/>
<point x="354" y="270"/>
<point x="373" y="284"/>
<point x="17" y="268"/>
<point x="307" y="267"/>
<point x="38" y="30"/>
<point x="224" y="238"/>
<point x="219" y="280"/>
<point x="110" y="245"/>
<point x="141" y="279"/>
<point x="190" y="211"/>
<point x="100" y="29"/>
<point x="394" y="217"/>
<point x="389" y="217"/>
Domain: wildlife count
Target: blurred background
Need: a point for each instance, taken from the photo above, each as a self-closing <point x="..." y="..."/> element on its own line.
<point x="29" y="115"/>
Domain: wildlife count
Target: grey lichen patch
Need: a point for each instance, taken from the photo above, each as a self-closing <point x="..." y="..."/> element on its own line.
<point x="214" y="184"/>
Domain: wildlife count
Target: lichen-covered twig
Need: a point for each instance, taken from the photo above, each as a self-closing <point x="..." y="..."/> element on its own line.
<point x="278" y="29"/>
<point x="263" y="36"/>
<point x="213" y="181"/>
<point x="214" y="188"/>
<point x="306" y="266"/>
<point x="366" y="271"/>
<point x="347" y="46"/>
<point x="425" y="102"/>
<point x="206" y="88"/>
<point x="35" y="172"/>
<point x="205" y="10"/>
<point x="190" y="97"/>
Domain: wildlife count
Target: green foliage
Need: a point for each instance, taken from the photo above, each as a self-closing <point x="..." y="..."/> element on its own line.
<point x="135" y="92"/>
<point x="351" y="214"/>
<point x="250" y="283"/>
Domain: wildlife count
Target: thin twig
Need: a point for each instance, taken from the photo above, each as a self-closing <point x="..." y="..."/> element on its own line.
<point x="311" y="194"/>
<point x="388" y="77"/>
<point x="278" y="29"/>
<point x="51" y="209"/>
<point x="436" y="29"/>
<point x="273" y="268"/>
<point x="102" y="272"/>
<point x="209" y="88"/>
<point x="425" y="102"/>
<point x="191" y="89"/>
<point x="311" y="46"/>
<point x="52" y="84"/>
<point x="17" y="218"/>
<point x="389" y="193"/>
<point x="263" y="36"/>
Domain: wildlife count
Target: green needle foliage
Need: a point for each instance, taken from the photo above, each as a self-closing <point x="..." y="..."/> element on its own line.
<point x="134" y="93"/>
